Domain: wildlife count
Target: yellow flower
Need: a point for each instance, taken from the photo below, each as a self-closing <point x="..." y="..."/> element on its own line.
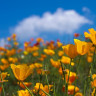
<point x="89" y="59"/>
<point x="37" y="65"/>
<point x="4" y="61"/>
<point x="94" y="92"/>
<point x="22" y="85"/>
<point x="71" y="89"/>
<point x="60" y="53"/>
<point x="92" y="49"/>
<point x="11" y="52"/>
<point x="91" y="36"/>
<point x="49" y="52"/>
<point x="39" y="87"/>
<point x="35" y="48"/>
<point x="25" y="53"/>
<point x="43" y="56"/>
<point x="72" y="76"/>
<point x="4" y="74"/>
<point x="41" y="71"/>
<point x="3" y="67"/>
<point x="70" y="50"/>
<point x="55" y="63"/>
<point x="78" y="94"/>
<point x="39" y="40"/>
<point x="16" y="43"/>
<point x="13" y="60"/>
<point x="23" y="93"/>
<point x="9" y="39"/>
<point x="65" y="60"/>
<point x="82" y="46"/>
<point x="22" y="71"/>
<point x="35" y="54"/>
<point x="59" y="44"/>
<point x="13" y="36"/>
<point x="93" y="83"/>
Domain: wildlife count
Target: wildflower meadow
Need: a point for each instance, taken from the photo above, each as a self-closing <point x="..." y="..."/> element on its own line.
<point x="42" y="68"/>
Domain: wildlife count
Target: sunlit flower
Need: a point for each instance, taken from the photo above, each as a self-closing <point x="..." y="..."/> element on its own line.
<point x="72" y="76"/>
<point x="11" y="52"/>
<point x="91" y="36"/>
<point x="13" y="36"/>
<point x="23" y="93"/>
<point x="3" y="67"/>
<point x="12" y="60"/>
<point x="37" y="65"/>
<point x="35" y="54"/>
<point x="25" y="53"/>
<point x="22" y="71"/>
<point x="55" y="63"/>
<point x="70" y="50"/>
<point x="78" y="94"/>
<point x="66" y="60"/>
<point x="39" y="40"/>
<point x="89" y="59"/>
<point x="93" y="83"/>
<point x="4" y="74"/>
<point x="94" y="92"/>
<point x="4" y="61"/>
<point x="9" y="39"/>
<point x="82" y="46"/>
<point x="22" y="85"/>
<point x="41" y="71"/>
<point x="59" y="44"/>
<point x="60" y="53"/>
<point x="39" y="87"/>
<point x="16" y="43"/>
<point x="49" y="52"/>
<point x="71" y="89"/>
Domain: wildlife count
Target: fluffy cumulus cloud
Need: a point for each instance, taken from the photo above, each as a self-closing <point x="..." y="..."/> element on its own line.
<point x="61" y="21"/>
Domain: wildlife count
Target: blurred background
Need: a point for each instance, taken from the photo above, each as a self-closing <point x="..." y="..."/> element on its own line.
<point x="48" y="19"/>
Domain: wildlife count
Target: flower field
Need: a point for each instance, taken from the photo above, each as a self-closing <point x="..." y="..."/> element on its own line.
<point x="49" y="68"/>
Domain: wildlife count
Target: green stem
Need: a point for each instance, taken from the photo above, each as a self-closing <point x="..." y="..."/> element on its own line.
<point x="68" y="77"/>
<point x="64" y="75"/>
<point x="46" y="93"/>
<point x="85" y="89"/>
<point x="47" y="82"/>
<point x="2" y="85"/>
<point x="77" y="72"/>
<point x="28" y="89"/>
<point x="54" y="90"/>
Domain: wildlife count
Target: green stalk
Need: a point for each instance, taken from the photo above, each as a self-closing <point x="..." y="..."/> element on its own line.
<point x="77" y="73"/>
<point x="46" y="93"/>
<point x="64" y="77"/>
<point x="85" y="89"/>
<point x="47" y="82"/>
<point x="54" y="90"/>
<point x="28" y="89"/>
<point x="91" y="68"/>
<point x="68" y="78"/>
<point x="2" y="85"/>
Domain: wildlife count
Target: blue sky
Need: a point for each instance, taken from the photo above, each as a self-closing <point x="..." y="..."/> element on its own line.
<point x="14" y="12"/>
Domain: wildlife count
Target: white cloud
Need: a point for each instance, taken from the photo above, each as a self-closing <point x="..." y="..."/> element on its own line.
<point x="85" y="9"/>
<point x="62" y="21"/>
<point x="2" y="42"/>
